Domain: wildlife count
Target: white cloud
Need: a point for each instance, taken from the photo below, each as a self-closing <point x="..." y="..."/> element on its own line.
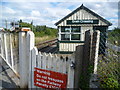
<point x="60" y="0"/>
<point x="57" y="12"/>
<point x="47" y="13"/>
<point x="35" y="13"/>
<point x="8" y="10"/>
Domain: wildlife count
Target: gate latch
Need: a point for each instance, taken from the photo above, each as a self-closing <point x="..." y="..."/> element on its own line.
<point x="72" y="65"/>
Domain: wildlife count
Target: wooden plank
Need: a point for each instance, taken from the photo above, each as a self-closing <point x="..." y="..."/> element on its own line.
<point x="23" y="60"/>
<point x="34" y="54"/>
<point x="70" y="83"/>
<point x="44" y="61"/>
<point x="11" y="52"/>
<point x="5" y="48"/>
<point x="86" y="57"/>
<point x="95" y="50"/>
<point x="60" y="65"/>
<point x="64" y="66"/>
<point x="2" y="45"/>
<point x="87" y="51"/>
<point x="16" y="73"/>
<point x="26" y="44"/>
<point x="54" y="63"/>
<point x="57" y="63"/>
<point x="30" y="42"/>
<point x="39" y="60"/>
<point x="50" y="56"/>
<point x="78" y="65"/>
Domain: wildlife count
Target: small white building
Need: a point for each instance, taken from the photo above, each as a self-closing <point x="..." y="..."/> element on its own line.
<point x="73" y="26"/>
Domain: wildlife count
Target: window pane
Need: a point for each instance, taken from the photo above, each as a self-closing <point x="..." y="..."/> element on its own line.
<point x="65" y="36"/>
<point x="75" y="29"/>
<point x="75" y="37"/>
<point x="65" y="29"/>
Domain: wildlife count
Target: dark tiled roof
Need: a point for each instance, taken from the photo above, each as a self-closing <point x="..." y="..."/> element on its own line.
<point x="88" y="10"/>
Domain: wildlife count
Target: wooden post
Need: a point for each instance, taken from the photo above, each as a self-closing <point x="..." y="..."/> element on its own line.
<point x="30" y="45"/>
<point x="95" y="50"/>
<point x="34" y="54"/>
<point x="26" y="44"/>
<point x="11" y="52"/>
<point x="22" y="60"/>
<point x="86" y="59"/>
<point x="94" y="58"/>
<point x="78" y="65"/>
<point x="87" y="50"/>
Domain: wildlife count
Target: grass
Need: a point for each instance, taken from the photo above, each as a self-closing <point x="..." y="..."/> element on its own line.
<point x="44" y="38"/>
<point x="108" y="70"/>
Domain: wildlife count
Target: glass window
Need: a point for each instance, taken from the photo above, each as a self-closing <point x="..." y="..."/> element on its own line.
<point x="73" y="33"/>
<point x="75" y="29"/>
<point x="65" y="36"/>
<point x="65" y="29"/>
<point x="75" y="37"/>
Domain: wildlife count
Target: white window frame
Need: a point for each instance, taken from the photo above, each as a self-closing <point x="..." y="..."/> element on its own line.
<point x="69" y="33"/>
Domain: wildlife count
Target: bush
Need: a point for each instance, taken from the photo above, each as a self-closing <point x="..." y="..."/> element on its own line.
<point x="109" y="83"/>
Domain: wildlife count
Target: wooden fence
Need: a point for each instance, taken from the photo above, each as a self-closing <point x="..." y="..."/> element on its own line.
<point x="53" y="63"/>
<point x="30" y="58"/>
<point x="67" y="70"/>
<point x="72" y="66"/>
<point x="9" y="50"/>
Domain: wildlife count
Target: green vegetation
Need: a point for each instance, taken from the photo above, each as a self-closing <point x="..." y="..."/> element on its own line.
<point x="42" y="33"/>
<point x="109" y="65"/>
<point x="114" y="36"/>
<point x="109" y="72"/>
<point x="84" y="79"/>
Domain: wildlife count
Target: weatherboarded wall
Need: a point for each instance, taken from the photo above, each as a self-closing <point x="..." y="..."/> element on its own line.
<point x="80" y="15"/>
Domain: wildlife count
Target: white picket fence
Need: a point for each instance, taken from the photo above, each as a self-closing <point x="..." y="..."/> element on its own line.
<point x="51" y="62"/>
<point x="7" y="51"/>
<point x="30" y="59"/>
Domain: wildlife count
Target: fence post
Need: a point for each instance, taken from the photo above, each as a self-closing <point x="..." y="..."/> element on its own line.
<point x="26" y="44"/>
<point x="11" y="52"/>
<point x="94" y="58"/>
<point x="30" y="45"/>
<point x="85" y="77"/>
<point x="95" y="50"/>
<point x="78" y="65"/>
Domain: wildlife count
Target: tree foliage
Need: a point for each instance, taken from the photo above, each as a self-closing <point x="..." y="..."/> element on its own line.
<point x="39" y="30"/>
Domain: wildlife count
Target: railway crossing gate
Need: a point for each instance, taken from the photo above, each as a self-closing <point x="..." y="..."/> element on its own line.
<point x="46" y="70"/>
<point x="9" y="50"/>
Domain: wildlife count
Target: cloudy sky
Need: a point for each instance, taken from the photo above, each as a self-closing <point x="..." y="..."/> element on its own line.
<point x="48" y="12"/>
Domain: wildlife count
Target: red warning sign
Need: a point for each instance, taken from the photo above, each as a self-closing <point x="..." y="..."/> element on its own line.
<point x="49" y="79"/>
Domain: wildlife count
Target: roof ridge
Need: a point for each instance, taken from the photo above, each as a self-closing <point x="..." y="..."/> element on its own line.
<point x="85" y="8"/>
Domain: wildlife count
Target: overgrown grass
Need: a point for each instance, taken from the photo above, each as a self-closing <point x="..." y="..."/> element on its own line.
<point x="109" y="70"/>
<point x="44" y="38"/>
<point x="109" y="63"/>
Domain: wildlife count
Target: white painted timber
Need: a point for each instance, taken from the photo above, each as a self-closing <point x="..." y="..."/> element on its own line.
<point x="34" y="54"/>
<point x="5" y="47"/>
<point x="30" y="45"/>
<point x="68" y="46"/>
<point x="11" y="52"/>
<point x="81" y="14"/>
